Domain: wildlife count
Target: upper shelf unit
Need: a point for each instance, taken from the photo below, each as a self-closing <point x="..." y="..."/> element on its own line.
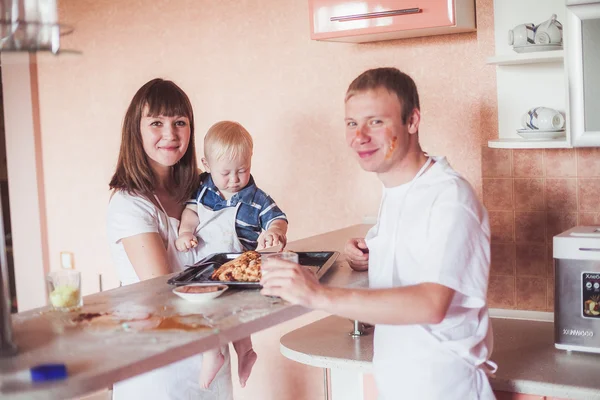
<point x="526" y="80"/>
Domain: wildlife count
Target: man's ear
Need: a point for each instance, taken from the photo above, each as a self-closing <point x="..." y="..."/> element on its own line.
<point x="414" y="119"/>
<point x="205" y="165"/>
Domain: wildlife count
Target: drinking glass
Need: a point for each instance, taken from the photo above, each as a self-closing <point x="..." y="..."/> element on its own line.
<point x="285" y="255"/>
<point x="64" y="290"/>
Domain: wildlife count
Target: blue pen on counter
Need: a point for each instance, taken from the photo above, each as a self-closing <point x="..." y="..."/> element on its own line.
<point x="39" y="373"/>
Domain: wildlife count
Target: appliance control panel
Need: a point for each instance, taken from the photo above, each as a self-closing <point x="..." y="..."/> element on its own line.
<point x="590" y="290"/>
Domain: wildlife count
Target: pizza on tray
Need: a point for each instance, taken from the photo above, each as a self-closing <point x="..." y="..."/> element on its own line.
<point x="245" y="268"/>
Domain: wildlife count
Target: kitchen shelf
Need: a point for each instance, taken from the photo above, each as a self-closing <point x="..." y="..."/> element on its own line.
<point x="539" y="57"/>
<point x="526" y="80"/>
<point x="510" y="143"/>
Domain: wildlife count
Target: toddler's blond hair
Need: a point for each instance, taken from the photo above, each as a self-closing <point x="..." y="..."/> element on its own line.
<point x="227" y="139"/>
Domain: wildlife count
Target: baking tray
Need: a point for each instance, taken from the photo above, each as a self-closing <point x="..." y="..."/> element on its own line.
<point x="318" y="261"/>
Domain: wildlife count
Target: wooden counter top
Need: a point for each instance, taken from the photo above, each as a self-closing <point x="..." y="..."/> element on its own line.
<point x="99" y="356"/>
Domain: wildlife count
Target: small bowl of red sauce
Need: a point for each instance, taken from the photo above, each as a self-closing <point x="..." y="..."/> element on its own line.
<point x="199" y="292"/>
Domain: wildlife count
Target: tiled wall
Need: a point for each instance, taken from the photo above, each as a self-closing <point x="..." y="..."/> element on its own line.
<point x="532" y="195"/>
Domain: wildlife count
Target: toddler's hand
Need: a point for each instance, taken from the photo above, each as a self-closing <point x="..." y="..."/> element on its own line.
<point x="270" y="238"/>
<point x="186" y="241"/>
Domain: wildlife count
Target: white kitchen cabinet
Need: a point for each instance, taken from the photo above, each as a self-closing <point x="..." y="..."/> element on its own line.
<point x="583" y="72"/>
<point x="526" y="80"/>
<point x="566" y="80"/>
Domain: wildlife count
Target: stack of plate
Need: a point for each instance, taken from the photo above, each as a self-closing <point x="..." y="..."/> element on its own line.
<point x="529" y="48"/>
<point x="535" y="134"/>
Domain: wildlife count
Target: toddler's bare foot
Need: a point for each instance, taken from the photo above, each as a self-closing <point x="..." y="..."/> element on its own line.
<point x="211" y="364"/>
<point x="245" y="363"/>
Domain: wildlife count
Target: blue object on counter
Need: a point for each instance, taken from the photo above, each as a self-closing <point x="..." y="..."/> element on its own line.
<point x="48" y="372"/>
<point x="39" y="373"/>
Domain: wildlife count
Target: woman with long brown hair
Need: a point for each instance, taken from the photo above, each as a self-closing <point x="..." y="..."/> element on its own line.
<point x="156" y="173"/>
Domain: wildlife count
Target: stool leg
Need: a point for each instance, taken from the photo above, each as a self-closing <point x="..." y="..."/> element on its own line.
<point x="326" y="383"/>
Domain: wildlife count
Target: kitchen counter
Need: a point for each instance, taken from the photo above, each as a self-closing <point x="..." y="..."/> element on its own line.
<point x="97" y="356"/>
<point x="523" y="349"/>
<point x="529" y="363"/>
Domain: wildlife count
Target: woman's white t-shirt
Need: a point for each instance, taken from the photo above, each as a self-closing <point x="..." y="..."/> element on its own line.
<point x="130" y="215"/>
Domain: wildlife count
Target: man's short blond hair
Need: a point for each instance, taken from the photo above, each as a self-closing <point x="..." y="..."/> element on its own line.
<point x="394" y="81"/>
<point x="227" y="139"/>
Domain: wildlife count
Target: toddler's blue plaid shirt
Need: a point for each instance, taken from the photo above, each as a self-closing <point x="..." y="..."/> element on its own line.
<point x="256" y="212"/>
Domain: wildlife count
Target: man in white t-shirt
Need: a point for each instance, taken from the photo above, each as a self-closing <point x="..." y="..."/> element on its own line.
<point x="428" y="256"/>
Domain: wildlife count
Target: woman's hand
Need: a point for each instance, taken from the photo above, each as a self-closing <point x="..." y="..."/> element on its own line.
<point x="357" y="254"/>
<point x="291" y="282"/>
<point x="186" y="241"/>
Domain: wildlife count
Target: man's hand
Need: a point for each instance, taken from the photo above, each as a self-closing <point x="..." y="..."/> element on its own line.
<point x="291" y="282"/>
<point x="186" y="241"/>
<point x="357" y="254"/>
<point x="271" y="237"/>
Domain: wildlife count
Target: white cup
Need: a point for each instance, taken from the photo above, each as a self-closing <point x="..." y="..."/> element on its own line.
<point x="543" y="118"/>
<point x="549" y="32"/>
<point x="521" y="35"/>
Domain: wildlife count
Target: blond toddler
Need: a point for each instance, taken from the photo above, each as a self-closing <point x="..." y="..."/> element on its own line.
<point x="229" y="196"/>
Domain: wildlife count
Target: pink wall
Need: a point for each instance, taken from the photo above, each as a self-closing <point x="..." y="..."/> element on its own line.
<point x="252" y="62"/>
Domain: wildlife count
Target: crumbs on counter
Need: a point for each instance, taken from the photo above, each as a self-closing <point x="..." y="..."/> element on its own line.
<point x="83" y="317"/>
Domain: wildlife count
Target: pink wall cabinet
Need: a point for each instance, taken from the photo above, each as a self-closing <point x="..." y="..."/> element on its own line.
<point x="370" y="20"/>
